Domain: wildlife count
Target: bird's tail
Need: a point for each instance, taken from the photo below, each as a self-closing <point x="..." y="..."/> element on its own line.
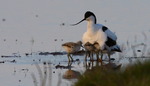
<point x="116" y="48"/>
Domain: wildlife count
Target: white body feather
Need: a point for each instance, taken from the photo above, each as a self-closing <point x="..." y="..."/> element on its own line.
<point x="95" y="33"/>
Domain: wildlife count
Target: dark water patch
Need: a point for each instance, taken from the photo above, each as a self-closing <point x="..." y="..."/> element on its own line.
<point x="27" y="54"/>
<point x="57" y="53"/>
<point x="63" y="67"/>
<point x="24" y="69"/>
<point x="44" y="53"/>
<point x="3" y="19"/>
<point x="136" y="57"/>
<point x="5" y="56"/>
<point x="13" y="61"/>
<point x="51" y="53"/>
<point x="2" y="62"/>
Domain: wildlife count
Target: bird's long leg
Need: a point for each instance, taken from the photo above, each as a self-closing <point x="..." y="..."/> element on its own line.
<point x="109" y="57"/>
<point x="97" y="55"/>
<point x="97" y="63"/>
<point x="101" y="55"/>
<point x="92" y="62"/>
<point x="86" y="55"/>
<point x="68" y="57"/>
<point x="101" y="58"/>
<point x="69" y="65"/>
<point x="91" y="56"/>
<point x="71" y="58"/>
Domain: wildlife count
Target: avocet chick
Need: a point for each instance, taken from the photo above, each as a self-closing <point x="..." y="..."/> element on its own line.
<point x="104" y="51"/>
<point x="97" y="50"/>
<point x="89" y="50"/>
<point x="71" y="47"/>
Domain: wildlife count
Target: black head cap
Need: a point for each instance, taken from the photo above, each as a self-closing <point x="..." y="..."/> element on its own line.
<point x="86" y="15"/>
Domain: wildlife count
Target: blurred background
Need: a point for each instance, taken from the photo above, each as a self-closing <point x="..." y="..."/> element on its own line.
<point x="43" y="25"/>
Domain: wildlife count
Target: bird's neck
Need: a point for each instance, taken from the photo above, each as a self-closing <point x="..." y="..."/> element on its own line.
<point x="90" y="26"/>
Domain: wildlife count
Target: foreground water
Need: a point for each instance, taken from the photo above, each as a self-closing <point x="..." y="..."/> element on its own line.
<point x="48" y="70"/>
<point x="26" y="70"/>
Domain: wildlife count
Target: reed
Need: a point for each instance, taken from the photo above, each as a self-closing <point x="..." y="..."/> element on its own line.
<point x="45" y="75"/>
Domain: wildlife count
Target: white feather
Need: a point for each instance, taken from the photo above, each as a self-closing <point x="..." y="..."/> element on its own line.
<point x="95" y="34"/>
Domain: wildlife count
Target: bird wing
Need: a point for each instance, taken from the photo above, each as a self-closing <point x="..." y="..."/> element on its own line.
<point x="108" y="36"/>
<point x="111" y="39"/>
<point x="109" y="33"/>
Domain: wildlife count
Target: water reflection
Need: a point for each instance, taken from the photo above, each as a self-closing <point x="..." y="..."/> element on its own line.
<point x="69" y="73"/>
<point x="90" y="65"/>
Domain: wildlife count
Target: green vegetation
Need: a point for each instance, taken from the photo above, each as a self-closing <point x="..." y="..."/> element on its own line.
<point x="133" y="75"/>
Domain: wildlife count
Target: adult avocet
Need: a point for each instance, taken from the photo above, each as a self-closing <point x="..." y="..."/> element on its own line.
<point x="71" y="47"/>
<point x="100" y="34"/>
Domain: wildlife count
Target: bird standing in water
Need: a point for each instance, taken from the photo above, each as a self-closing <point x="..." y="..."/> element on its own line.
<point x="71" y="47"/>
<point x="99" y="33"/>
<point x="89" y="50"/>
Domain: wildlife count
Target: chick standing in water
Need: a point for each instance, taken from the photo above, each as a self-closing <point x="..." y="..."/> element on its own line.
<point x="71" y="47"/>
<point x="89" y="50"/>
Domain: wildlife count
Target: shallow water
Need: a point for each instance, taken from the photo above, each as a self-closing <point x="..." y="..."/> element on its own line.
<point x="31" y="26"/>
<point x="21" y="71"/>
<point x="51" y="70"/>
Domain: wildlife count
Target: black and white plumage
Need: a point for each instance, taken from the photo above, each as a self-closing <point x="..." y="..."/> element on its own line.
<point x="99" y="33"/>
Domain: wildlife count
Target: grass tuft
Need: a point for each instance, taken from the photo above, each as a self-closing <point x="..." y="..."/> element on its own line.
<point x="134" y="75"/>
